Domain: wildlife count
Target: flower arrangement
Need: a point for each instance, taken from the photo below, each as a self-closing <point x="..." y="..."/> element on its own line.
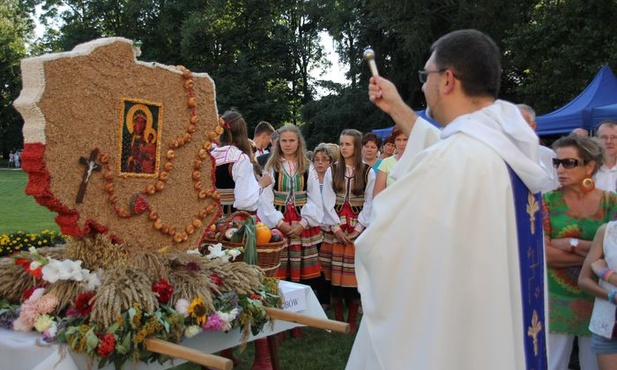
<point x="20" y="241"/>
<point x="113" y="310"/>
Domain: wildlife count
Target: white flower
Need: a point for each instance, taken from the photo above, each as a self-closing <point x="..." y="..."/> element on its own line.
<point x="193" y="251"/>
<point x="92" y="280"/>
<point x="182" y="306"/>
<point x="73" y="269"/>
<point x="42" y="323"/>
<point x="192" y="331"/>
<point x="34" y="265"/>
<point x="227" y="318"/>
<point x="53" y="271"/>
<point x="216" y="251"/>
<point x="33" y="250"/>
<point x="235" y="252"/>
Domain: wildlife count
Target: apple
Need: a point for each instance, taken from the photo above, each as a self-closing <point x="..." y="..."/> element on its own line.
<point x="277" y="235"/>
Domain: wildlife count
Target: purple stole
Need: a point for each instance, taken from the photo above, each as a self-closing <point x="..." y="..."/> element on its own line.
<point x="531" y="258"/>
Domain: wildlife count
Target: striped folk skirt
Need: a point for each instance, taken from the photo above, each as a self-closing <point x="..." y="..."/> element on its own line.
<point x="337" y="260"/>
<point x="300" y="261"/>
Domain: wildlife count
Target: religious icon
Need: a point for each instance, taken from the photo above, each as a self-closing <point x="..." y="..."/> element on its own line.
<point x="140" y="138"/>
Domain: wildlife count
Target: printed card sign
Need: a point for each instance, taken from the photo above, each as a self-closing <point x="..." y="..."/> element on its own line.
<point x="294" y="296"/>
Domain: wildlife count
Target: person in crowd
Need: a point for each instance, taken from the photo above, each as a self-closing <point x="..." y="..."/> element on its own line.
<point x="322" y="161"/>
<point x="11" y="159"/>
<point x="236" y="181"/>
<point x="546" y="154"/>
<point x="370" y="150"/>
<point x="262" y="137"/>
<point x="441" y="267"/>
<point x="293" y="204"/>
<point x="598" y="278"/>
<point x="606" y="177"/>
<point x="347" y="201"/>
<point x="383" y="175"/>
<point x="263" y="159"/>
<point x="335" y="151"/>
<point x="580" y="132"/>
<point x="17" y="159"/>
<point x="388" y="147"/>
<point x="236" y="172"/>
<point x="572" y="215"/>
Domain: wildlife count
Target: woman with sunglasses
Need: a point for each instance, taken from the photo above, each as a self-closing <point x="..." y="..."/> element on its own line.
<point x="572" y="215"/>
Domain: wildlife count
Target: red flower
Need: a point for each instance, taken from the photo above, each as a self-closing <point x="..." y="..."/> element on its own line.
<point x="24" y="263"/>
<point x="37" y="273"/>
<point x="84" y="303"/>
<point x="163" y="291"/>
<point x="107" y="344"/>
<point x="214" y="278"/>
<point x="255" y="296"/>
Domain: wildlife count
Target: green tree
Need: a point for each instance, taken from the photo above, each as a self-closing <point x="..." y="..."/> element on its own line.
<point x="557" y="53"/>
<point x="16" y="29"/>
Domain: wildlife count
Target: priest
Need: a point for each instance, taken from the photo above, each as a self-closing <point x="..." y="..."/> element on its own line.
<point x="451" y="268"/>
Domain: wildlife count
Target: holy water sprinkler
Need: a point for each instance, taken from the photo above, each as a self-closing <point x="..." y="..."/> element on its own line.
<point x="369" y="56"/>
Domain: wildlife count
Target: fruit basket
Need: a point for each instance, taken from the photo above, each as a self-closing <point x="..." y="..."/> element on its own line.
<point x="240" y="229"/>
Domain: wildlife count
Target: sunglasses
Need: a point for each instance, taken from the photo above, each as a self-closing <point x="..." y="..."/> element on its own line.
<point x="567" y="163"/>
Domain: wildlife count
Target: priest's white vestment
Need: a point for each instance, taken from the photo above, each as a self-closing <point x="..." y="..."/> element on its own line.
<point x="438" y="267"/>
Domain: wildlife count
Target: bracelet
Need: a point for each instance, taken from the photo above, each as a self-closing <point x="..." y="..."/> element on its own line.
<point x="602" y="272"/>
<point x="607" y="275"/>
<point x="611" y="296"/>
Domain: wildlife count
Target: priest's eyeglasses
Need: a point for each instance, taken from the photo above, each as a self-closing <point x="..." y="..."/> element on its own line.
<point x="567" y="163"/>
<point x="423" y="73"/>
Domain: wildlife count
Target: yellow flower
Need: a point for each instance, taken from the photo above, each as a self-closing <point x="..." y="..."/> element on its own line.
<point x="198" y="311"/>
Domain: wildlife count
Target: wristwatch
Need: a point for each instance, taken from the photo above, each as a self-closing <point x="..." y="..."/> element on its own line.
<point x="573" y="244"/>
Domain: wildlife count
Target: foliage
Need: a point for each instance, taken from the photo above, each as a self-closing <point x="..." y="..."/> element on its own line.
<point x="21" y="241"/>
<point x="261" y="53"/>
<point x="15" y="28"/>
<point x="558" y="52"/>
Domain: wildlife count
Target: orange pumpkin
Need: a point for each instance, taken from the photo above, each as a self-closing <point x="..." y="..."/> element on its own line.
<point x="262" y="233"/>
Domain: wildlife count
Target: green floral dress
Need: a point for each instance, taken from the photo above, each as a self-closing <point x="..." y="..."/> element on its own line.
<point x="569" y="307"/>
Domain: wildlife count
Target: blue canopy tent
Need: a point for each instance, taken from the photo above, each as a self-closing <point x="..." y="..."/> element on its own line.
<point x="584" y="110"/>
<point x="383" y="132"/>
<point x="604" y="113"/>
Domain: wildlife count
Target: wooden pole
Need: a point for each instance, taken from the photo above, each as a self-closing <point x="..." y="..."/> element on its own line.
<point x="278" y="314"/>
<point x="189" y="354"/>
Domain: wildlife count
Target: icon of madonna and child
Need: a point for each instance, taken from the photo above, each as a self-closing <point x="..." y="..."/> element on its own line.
<point x="140" y="137"/>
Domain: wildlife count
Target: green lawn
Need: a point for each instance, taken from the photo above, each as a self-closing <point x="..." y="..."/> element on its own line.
<point x="19" y="211"/>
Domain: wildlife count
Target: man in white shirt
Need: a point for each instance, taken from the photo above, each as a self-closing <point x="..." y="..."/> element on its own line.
<point x="546" y="154"/>
<point x="262" y="137"/>
<point x="606" y="178"/>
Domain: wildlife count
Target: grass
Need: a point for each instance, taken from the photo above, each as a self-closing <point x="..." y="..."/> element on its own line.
<point x="317" y="350"/>
<point x="18" y="211"/>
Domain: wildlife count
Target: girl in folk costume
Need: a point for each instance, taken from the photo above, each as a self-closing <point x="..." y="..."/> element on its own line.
<point x="236" y="171"/>
<point x="293" y="204"/>
<point x="347" y="204"/>
<point x="236" y="181"/>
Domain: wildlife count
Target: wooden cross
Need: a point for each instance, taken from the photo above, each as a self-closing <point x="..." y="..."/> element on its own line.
<point x="91" y="166"/>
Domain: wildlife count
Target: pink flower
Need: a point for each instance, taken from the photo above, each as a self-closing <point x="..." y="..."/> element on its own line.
<point x="214" y="323"/>
<point x="47" y="304"/>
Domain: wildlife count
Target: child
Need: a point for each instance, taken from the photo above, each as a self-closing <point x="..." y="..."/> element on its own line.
<point x="347" y="206"/>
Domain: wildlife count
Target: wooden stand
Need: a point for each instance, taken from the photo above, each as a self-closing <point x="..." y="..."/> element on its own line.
<point x="222" y="363"/>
